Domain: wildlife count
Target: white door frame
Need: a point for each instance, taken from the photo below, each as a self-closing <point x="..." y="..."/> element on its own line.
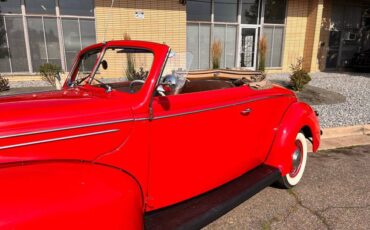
<point x="257" y="29"/>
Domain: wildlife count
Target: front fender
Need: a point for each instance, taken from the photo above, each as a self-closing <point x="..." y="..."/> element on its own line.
<point x="298" y="117"/>
<point x="67" y="195"/>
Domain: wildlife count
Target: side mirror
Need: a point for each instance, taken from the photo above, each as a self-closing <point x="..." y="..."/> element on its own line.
<point x="168" y="85"/>
<point x="104" y="64"/>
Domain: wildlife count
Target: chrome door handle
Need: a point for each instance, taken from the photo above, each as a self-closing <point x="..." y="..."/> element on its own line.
<point x="246" y="112"/>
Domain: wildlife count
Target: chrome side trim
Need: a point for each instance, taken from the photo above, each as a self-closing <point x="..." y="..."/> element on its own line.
<point x="66" y="128"/>
<point x="217" y="107"/>
<point x="58" y="139"/>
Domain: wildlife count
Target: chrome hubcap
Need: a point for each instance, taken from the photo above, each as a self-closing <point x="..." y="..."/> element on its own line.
<point x="297" y="157"/>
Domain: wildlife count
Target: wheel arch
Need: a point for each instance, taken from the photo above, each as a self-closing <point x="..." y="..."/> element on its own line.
<point x="299" y="117"/>
<point x="71" y="194"/>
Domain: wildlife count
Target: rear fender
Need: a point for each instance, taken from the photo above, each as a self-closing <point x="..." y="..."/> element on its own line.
<point x="66" y="195"/>
<point x="299" y="117"/>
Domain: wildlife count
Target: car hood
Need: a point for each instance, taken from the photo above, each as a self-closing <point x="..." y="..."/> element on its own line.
<point x="42" y="126"/>
<point x="74" y="105"/>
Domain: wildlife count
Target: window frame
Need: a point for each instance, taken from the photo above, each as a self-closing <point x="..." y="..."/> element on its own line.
<point x="273" y="26"/>
<point x="259" y="26"/>
<point x="263" y="24"/>
<point x="59" y="17"/>
<point x="65" y="66"/>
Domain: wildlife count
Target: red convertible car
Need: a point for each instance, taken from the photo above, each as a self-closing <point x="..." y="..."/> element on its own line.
<point x="133" y="141"/>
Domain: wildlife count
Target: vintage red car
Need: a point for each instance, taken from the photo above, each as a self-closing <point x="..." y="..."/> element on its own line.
<point x="155" y="147"/>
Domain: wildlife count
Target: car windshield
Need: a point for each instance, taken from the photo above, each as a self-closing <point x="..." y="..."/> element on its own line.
<point x="123" y="69"/>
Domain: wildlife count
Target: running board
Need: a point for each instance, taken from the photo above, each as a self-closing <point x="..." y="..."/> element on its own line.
<point x="204" y="209"/>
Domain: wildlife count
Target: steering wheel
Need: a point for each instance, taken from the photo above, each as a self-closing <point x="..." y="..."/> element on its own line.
<point x="135" y="82"/>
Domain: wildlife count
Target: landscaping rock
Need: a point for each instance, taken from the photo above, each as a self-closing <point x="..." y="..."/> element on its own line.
<point x="355" y="87"/>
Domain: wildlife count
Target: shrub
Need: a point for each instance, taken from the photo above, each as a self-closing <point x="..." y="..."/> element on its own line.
<point x="49" y="73"/>
<point x="299" y="77"/>
<point x="4" y="84"/>
<point x="262" y="47"/>
<point x="216" y="54"/>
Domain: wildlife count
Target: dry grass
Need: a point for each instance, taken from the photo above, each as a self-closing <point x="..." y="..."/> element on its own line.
<point x="130" y="71"/>
<point x="126" y="36"/>
<point x="262" y="48"/>
<point x="216" y="54"/>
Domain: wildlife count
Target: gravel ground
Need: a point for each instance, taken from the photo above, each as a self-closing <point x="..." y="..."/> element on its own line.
<point x="354" y="86"/>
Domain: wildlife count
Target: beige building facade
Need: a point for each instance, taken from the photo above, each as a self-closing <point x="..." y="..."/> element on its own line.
<point x="54" y="31"/>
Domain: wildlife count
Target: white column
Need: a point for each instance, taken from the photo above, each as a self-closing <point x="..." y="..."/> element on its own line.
<point x="61" y="38"/>
<point x="26" y="37"/>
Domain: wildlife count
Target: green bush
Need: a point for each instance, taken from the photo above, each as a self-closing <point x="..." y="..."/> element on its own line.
<point x="49" y="73"/>
<point x="299" y="77"/>
<point x="4" y="84"/>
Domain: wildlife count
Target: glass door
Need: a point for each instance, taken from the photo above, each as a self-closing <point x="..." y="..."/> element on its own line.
<point x="248" y="47"/>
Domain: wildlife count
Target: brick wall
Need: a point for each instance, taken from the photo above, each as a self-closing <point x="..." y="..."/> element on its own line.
<point x="324" y="35"/>
<point x="164" y="22"/>
<point x="314" y="17"/>
<point x="302" y="33"/>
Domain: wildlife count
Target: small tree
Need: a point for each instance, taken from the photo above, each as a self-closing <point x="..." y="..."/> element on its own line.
<point x="262" y="48"/>
<point x="4" y="84"/>
<point x="299" y="77"/>
<point x="216" y="54"/>
<point x="50" y="73"/>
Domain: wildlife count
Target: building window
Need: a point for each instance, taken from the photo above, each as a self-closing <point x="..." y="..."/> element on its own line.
<point x="77" y="33"/>
<point x="40" y="7"/>
<point x="275" y="11"/>
<point x="10" y="6"/>
<point x="250" y="9"/>
<point x="198" y="45"/>
<point x="273" y="30"/>
<point x="80" y="8"/>
<point x="44" y="41"/>
<point x="226" y="34"/>
<point x="13" y="56"/>
<point x="274" y="36"/>
<point x="45" y="25"/>
<point x="226" y="10"/>
<point x="198" y="10"/>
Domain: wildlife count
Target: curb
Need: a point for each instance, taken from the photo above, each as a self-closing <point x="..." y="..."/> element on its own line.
<point x="345" y="131"/>
<point x="343" y="137"/>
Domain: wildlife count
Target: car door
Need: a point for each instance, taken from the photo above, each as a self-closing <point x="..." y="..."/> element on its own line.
<point x="198" y="141"/>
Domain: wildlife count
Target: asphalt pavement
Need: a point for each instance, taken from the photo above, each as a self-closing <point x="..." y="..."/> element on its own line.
<point x="334" y="194"/>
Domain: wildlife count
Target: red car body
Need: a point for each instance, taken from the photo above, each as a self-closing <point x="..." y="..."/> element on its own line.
<point x="84" y="158"/>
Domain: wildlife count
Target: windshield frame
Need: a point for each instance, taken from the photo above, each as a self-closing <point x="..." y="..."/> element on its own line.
<point x="101" y="51"/>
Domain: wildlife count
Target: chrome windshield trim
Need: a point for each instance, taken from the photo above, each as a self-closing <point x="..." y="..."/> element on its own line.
<point x="216" y="107"/>
<point x="58" y="139"/>
<point x="65" y="128"/>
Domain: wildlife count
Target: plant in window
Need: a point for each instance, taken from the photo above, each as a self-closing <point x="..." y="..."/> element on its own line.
<point x="216" y="54"/>
<point x="4" y="84"/>
<point x="299" y="77"/>
<point x="50" y="73"/>
<point x="262" y="48"/>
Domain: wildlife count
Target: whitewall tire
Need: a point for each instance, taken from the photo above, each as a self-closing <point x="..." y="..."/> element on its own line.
<point x="299" y="161"/>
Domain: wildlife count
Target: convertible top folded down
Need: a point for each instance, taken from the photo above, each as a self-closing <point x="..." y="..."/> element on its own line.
<point x="255" y="79"/>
